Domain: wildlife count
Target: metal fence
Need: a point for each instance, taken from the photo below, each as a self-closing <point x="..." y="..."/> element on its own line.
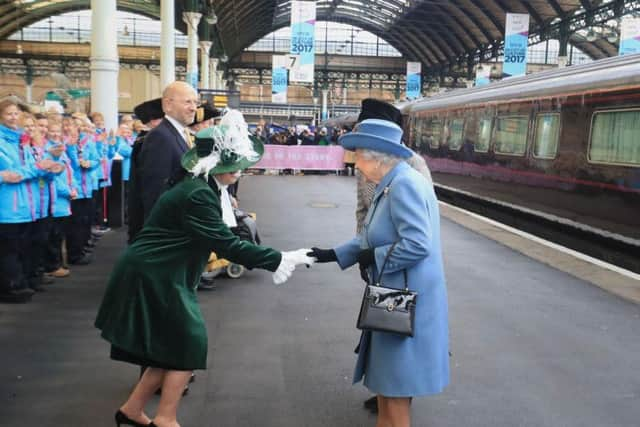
<point x="79" y="35"/>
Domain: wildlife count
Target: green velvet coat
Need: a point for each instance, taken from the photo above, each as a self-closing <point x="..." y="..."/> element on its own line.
<point x="150" y="307"/>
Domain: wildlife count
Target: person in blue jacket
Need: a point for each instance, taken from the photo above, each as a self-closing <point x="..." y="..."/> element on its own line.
<point x="34" y="140"/>
<point x="124" y="149"/>
<point x="62" y="193"/>
<point x="84" y="161"/>
<point x="403" y="224"/>
<point x="17" y="210"/>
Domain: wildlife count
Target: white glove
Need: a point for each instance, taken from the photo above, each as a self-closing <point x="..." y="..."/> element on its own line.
<point x="289" y="262"/>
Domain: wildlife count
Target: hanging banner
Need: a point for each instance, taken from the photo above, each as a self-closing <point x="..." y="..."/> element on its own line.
<point x="279" y="79"/>
<point x="483" y="75"/>
<point x="516" y="41"/>
<point x="192" y="78"/>
<point x="414" y="83"/>
<point x="629" y="36"/>
<point x="303" y="31"/>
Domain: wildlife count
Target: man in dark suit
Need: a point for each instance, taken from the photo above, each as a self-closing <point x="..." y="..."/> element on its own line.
<point x="150" y="114"/>
<point x="166" y="143"/>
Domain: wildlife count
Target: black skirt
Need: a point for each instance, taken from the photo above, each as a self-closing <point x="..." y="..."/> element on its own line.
<point x="124" y="356"/>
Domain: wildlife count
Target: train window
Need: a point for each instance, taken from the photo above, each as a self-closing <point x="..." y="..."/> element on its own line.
<point x="434" y="132"/>
<point x="511" y="135"/>
<point x="484" y="135"/>
<point x="425" y="131"/>
<point x="615" y="136"/>
<point x="416" y="125"/>
<point x="456" y="128"/>
<point x="547" y="132"/>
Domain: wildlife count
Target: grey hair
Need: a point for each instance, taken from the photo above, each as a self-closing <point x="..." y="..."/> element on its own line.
<point x="384" y="158"/>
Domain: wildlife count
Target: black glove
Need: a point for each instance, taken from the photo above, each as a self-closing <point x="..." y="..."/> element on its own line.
<point x="364" y="274"/>
<point x="323" y="255"/>
<point x="366" y="257"/>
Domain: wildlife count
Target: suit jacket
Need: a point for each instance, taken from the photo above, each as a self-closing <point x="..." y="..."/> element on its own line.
<point x="135" y="209"/>
<point x="159" y="160"/>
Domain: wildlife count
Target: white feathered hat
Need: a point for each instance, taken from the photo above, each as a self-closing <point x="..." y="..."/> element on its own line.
<point x="227" y="147"/>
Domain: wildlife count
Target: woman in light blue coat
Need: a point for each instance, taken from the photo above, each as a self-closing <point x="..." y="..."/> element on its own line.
<point x="404" y="211"/>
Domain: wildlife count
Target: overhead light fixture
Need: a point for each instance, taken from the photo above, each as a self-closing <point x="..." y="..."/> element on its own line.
<point x="224" y="58"/>
<point x="612" y="36"/>
<point x="19" y="49"/>
<point x="212" y="18"/>
<point x="125" y="32"/>
<point x="591" y="35"/>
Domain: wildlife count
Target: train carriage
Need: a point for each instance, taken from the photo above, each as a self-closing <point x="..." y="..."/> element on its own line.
<point x="563" y="143"/>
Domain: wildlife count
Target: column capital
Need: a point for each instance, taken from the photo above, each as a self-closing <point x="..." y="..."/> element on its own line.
<point x="192" y="19"/>
<point x="205" y="45"/>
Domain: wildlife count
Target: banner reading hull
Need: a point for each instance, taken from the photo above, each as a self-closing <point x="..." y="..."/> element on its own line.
<point x="279" y="81"/>
<point x="629" y="36"/>
<point x="303" y="31"/>
<point x="516" y="41"/>
<point x="414" y="83"/>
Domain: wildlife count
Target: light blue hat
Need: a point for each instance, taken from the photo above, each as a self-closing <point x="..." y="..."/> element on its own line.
<point x="376" y="135"/>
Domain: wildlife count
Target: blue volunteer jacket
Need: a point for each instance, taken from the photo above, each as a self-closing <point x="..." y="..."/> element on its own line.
<point x="63" y="184"/>
<point x="124" y="150"/>
<point x="85" y="178"/>
<point x="16" y="201"/>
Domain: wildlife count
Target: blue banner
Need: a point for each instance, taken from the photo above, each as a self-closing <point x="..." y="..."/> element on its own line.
<point x="303" y="31"/>
<point x="279" y="79"/>
<point x="483" y="75"/>
<point x="192" y="79"/>
<point x="414" y="81"/>
<point x="629" y="36"/>
<point x="516" y="42"/>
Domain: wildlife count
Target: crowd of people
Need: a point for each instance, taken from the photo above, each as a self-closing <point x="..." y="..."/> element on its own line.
<point x="55" y="172"/>
<point x="298" y="135"/>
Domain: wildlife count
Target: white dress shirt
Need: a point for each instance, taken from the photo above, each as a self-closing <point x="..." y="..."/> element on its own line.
<point x="181" y="129"/>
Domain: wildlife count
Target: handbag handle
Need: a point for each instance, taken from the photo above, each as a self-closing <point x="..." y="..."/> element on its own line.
<point x="384" y="264"/>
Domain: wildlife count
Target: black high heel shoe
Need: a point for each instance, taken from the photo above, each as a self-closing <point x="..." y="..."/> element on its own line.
<point x="121" y="418"/>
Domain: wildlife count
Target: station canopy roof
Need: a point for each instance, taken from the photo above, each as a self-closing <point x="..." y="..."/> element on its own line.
<point x="434" y="32"/>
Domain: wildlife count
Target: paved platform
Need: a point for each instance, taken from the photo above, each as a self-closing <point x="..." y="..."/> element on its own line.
<point x="532" y="345"/>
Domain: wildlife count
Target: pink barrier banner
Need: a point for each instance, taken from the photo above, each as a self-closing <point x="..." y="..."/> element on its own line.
<point x="302" y="157"/>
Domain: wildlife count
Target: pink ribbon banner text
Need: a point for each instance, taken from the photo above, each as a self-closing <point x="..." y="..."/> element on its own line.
<point x="302" y="157"/>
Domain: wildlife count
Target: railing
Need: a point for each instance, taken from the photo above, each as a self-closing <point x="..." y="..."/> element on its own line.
<point x="537" y="55"/>
<point x="79" y="35"/>
<point x="297" y="110"/>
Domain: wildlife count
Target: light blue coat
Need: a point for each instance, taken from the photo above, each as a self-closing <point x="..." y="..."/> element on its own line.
<point x="63" y="185"/>
<point x="124" y="149"/>
<point x="406" y="212"/>
<point x="42" y="186"/>
<point x="84" y="177"/>
<point x="16" y="200"/>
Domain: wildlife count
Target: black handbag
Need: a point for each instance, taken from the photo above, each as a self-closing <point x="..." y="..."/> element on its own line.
<point x="388" y="309"/>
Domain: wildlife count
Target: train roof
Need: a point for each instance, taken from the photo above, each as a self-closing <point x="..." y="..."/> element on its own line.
<point x="343" y="120"/>
<point x="609" y="73"/>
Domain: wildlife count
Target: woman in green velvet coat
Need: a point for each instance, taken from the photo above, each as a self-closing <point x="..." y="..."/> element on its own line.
<point x="149" y="312"/>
